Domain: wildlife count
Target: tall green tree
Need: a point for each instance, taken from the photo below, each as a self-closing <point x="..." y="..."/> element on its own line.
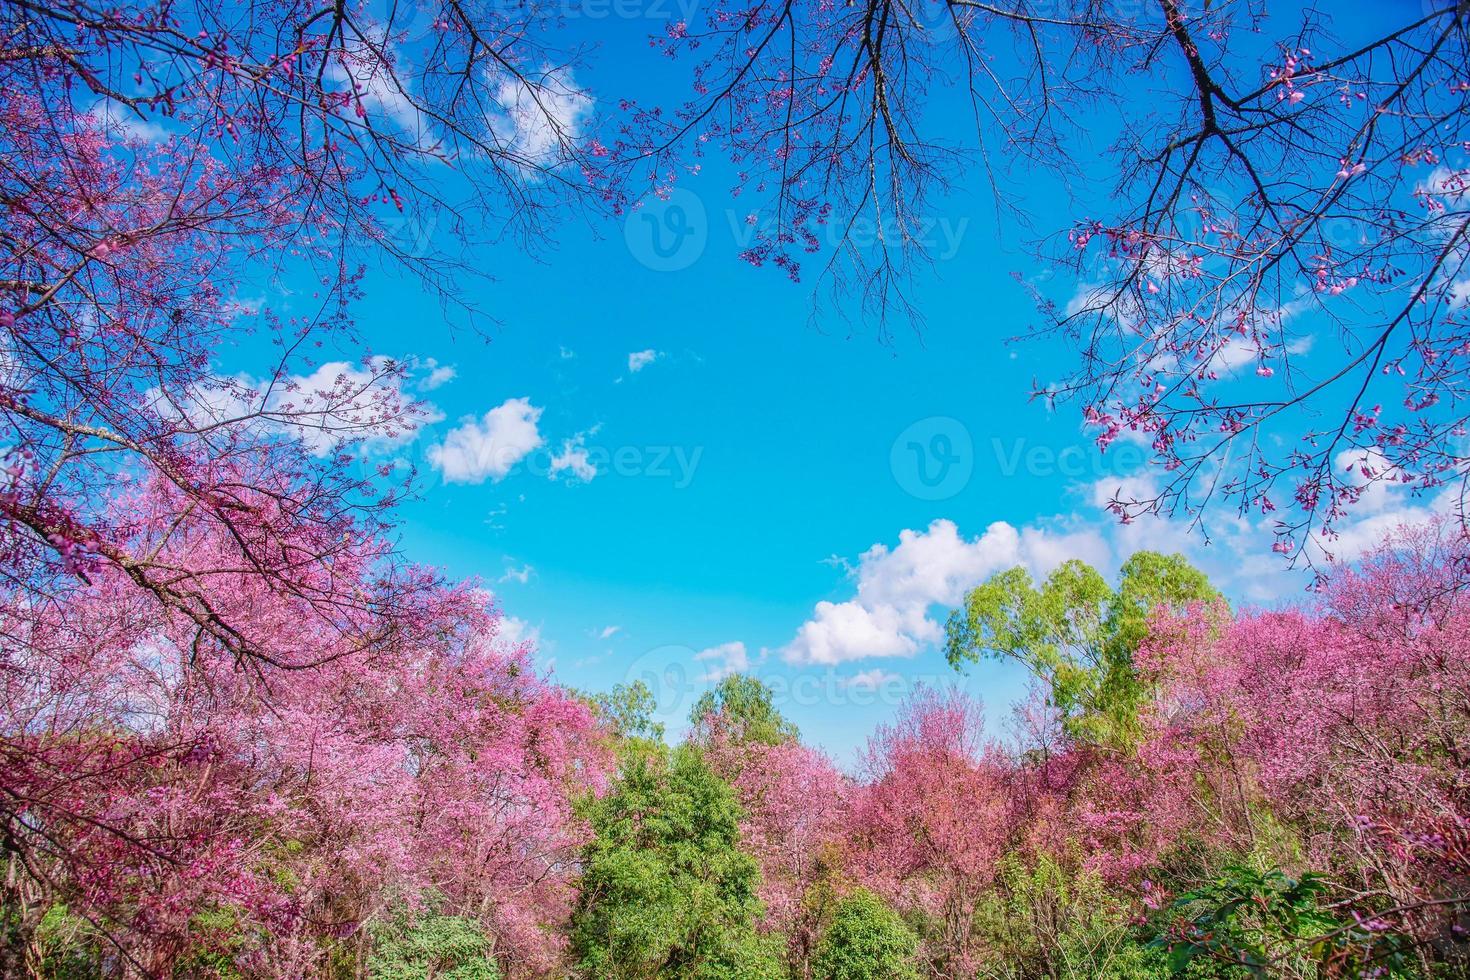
<point x="742" y="709"/>
<point x="666" y="890"/>
<point x="1077" y="634"/>
<point x="627" y="715"/>
<point x="866" y="940"/>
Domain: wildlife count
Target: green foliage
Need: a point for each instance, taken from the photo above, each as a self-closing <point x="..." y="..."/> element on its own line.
<point x="666" y="890"/>
<point x="1267" y="924"/>
<point x="628" y="713"/>
<point x="430" y="946"/>
<point x="742" y="707"/>
<point x="1043" y="921"/>
<point x="866" y="940"/>
<point x="216" y="934"/>
<point x="1076" y="634"/>
<point x="67" y="946"/>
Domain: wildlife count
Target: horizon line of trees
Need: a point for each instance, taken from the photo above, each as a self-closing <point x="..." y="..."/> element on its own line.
<point x="1191" y="792"/>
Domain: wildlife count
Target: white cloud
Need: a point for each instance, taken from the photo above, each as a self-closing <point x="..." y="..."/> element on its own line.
<point x="516" y="631"/>
<point x="521" y="575"/>
<point x="1384" y="505"/>
<point x="573" y="458"/>
<point x="438" y="376"/>
<point x="537" y="121"/>
<point x="728" y="658"/>
<point x="340" y="399"/>
<point x="337" y="402"/>
<point x="370" y="67"/>
<point x="122" y="122"/>
<point x="1459" y="294"/>
<point x="1447" y="182"/>
<point x="491" y="446"/>
<point x="638" y="360"/>
<point x="1237" y="556"/>
<point x="1046" y="548"/>
<point x="871" y="680"/>
<point x="1090" y="298"/>
<point x="606" y="633"/>
<point x="896" y="588"/>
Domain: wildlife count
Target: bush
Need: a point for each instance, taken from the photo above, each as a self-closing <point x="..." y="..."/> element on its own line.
<point x="1266" y="924"/>
<point x="866" y="940"/>
<point x="429" y="945"/>
<point x="1043" y="921"/>
<point x="666" y="890"/>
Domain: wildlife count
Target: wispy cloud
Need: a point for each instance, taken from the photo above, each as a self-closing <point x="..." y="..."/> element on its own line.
<point x="439" y="375"/>
<point x="573" y="460"/>
<point x="638" y="360"/>
<point x="516" y="631"/>
<point x="127" y="124"/>
<point x="538" y="119"/>
<point x="871" y="680"/>
<point x="521" y="575"/>
<point x="726" y="659"/>
<point x="339" y="401"/>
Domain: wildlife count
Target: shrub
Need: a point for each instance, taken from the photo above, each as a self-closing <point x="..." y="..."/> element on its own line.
<point x="866" y="940"/>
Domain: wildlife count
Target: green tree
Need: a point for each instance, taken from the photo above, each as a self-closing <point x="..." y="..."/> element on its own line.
<point x="1041" y="920"/>
<point x="866" y="940"/>
<point x="628" y="713"/>
<point x="666" y="890"/>
<point x="742" y="709"/>
<point x="1077" y="634"/>
<point x="430" y="946"/>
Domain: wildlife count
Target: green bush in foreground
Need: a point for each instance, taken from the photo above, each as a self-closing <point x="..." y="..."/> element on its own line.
<point x="666" y="890"/>
<point x="865" y="941"/>
<point x="430" y="946"/>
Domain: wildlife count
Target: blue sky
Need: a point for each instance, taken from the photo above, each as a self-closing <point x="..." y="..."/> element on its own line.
<point x="745" y="469"/>
<point x="664" y="469"/>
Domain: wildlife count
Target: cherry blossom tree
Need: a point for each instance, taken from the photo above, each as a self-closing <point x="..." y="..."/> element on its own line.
<point x="150" y="781"/>
<point x="933" y="820"/>
<point x="203" y="605"/>
<point x="795" y="823"/>
<point x="162" y="159"/>
<point x="1345" y="722"/>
